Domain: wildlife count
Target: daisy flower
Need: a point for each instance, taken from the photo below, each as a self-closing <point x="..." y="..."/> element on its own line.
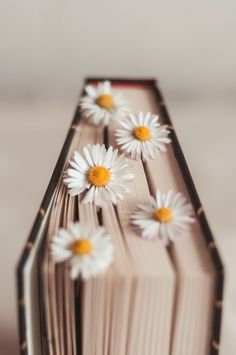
<point x="101" y="104"/>
<point x="89" y="252"/>
<point x="165" y="217"/>
<point x="142" y="136"/>
<point x="101" y="173"/>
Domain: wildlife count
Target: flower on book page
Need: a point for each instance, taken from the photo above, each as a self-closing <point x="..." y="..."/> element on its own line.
<point x="165" y="217"/>
<point x="89" y="252"/>
<point x="100" y="174"/>
<point x="142" y="136"/>
<point x="102" y="104"/>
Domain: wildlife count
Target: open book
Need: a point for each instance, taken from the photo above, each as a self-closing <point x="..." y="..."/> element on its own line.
<point x="160" y="290"/>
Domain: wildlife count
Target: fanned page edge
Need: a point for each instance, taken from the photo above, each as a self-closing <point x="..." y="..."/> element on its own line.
<point x="189" y="252"/>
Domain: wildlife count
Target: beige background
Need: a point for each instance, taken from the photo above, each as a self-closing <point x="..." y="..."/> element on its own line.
<point x="47" y="47"/>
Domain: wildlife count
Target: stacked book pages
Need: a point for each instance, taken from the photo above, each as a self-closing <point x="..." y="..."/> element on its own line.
<point x="120" y="260"/>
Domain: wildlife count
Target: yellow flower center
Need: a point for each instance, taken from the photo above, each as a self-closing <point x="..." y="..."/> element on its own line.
<point x="142" y="133"/>
<point x="99" y="176"/>
<point x="105" y="101"/>
<point x="163" y="215"/>
<point x="82" y="247"/>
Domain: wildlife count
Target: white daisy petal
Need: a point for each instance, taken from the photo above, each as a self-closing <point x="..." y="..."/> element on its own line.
<point x="107" y="157"/>
<point x="88" y="155"/>
<point x="74" y="229"/>
<point x="165" y="217"/>
<point x="79" y="160"/>
<point x="90" y="91"/>
<point x="59" y="254"/>
<point x="75" y="191"/>
<point x="75" y="271"/>
<point x="89" y="253"/>
<point x="62" y="241"/>
<point x="64" y="234"/>
<point x="75" y="184"/>
<point x="90" y="195"/>
<point x="141" y="136"/>
<point x="74" y="173"/>
<point x="147" y="118"/>
<point x="158" y="199"/>
<point x="74" y="165"/>
<point x="152" y="231"/>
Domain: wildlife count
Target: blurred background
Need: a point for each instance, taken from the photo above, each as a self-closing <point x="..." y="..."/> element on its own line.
<point x="46" y="50"/>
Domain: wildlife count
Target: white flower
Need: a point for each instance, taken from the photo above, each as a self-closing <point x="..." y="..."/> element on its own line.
<point x="101" y="104"/>
<point x="89" y="253"/>
<point x="142" y="136"/>
<point x="165" y="217"/>
<point x="101" y="173"/>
